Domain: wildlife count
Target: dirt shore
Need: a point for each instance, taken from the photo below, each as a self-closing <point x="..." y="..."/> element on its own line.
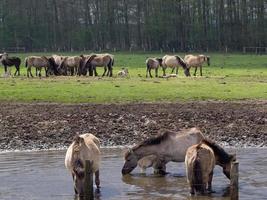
<point x="45" y="126"/>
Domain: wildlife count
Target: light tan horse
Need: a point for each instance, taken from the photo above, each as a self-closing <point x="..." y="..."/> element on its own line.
<point x="174" y="62"/>
<point x="200" y="161"/>
<point x="167" y="146"/>
<point x="38" y="63"/>
<point x="70" y="65"/>
<point x="84" y="147"/>
<point x="196" y="61"/>
<point x="153" y="63"/>
<point x="100" y="60"/>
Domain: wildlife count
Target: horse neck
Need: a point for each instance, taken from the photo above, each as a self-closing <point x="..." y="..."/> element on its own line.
<point x="146" y="150"/>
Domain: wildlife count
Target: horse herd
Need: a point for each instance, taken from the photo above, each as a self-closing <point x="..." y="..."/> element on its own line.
<point x="86" y="64"/>
<point x="188" y="145"/>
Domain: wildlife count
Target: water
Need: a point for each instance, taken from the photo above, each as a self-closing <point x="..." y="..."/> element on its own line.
<point x="42" y="176"/>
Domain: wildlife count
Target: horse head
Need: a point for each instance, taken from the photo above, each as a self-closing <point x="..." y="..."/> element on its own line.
<point x="78" y="168"/>
<point x="160" y="61"/>
<point x="130" y="162"/>
<point x="227" y="166"/>
<point x="3" y="56"/>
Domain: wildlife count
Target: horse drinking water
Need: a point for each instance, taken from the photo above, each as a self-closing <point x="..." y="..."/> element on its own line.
<point x="200" y="161"/>
<point x="167" y="146"/>
<point x="84" y="147"/>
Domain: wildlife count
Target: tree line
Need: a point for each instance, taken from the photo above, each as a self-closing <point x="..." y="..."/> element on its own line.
<point x="180" y="25"/>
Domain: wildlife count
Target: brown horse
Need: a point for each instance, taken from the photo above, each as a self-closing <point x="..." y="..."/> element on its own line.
<point x="10" y="61"/>
<point x="174" y="62"/>
<point x="153" y="63"/>
<point x="200" y="161"/>
<point x="38" y="63"/>
<point x="196" y="61"/>
<point x="84" y="147"/>
<point x="167" y="146"/>
<point x="100" y="60"/>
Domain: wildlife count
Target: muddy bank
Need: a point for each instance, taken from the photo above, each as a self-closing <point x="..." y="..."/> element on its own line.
<point x="44" y="126"/>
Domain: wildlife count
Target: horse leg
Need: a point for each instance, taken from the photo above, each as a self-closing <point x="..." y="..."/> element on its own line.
<point x="150" y="73"/>
<point x="192" y="189"/>
<point x="5" y="69"/>
<point x="210" y="182"/>
<point x="195" y="71"/>
<point x="146" y="72"/>
<point x="164" y="71"/>
<point x="177" y="70"/>
<point x="173" y="70"/>
<point x="97" y="180"/>
<point x="96" y="74"/>
<point x="156" y="72"/>
<point x="105" y="70"/>
<point x="200" y="68"/>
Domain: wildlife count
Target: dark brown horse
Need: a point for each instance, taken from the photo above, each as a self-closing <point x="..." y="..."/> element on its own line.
<point x="200" y="161"/>
<point x="10" y="61"/>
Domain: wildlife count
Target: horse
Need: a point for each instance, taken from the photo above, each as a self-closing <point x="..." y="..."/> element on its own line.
<point x="70" y="64"/>
<point x="84" y="147"/>
<point x="38" y="63"/>
<point x="174" y="62"/>
<point x="57" y="60"/>
<point x="123" y="73"/>
<point x="100" y="60"/>
<point x="167" y="146"/>
<point x="196" y="61"/>
<point x="200" y="161"/>
<point x="10" y="61"/>
<point x="153" y="63"/>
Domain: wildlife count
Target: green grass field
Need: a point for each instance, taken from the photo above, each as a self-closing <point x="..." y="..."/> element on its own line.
<point x="229" y="77"/>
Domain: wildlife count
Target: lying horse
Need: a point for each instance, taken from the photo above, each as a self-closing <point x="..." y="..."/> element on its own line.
<point x="174" y="62"/>
<point x="196" y="61"/>
<point x="168" y="146"/>
<point x="100" y="60"/>
<point x="153" y="63"/>
<point x="123" y="73"/>
<point x="38" y="63"/>
<point x="200" y="161"/>
<point x="84" y="147"/>
<point x="10" y="61"/>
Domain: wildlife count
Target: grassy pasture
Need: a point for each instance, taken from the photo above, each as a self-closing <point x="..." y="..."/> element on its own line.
<point x="230" y="77"/>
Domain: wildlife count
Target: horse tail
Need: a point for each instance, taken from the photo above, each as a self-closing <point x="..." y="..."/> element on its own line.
<point x="197" y="176"/>
<point x="111" y="62"/>
<point x="147" y="65"/>
<point x="181" y="62"/>
<point x="26" y="62"/>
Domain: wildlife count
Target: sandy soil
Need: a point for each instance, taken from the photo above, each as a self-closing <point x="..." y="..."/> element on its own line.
<point x="45" y="126"/>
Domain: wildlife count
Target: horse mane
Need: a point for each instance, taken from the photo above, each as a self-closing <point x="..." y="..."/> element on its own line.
<point x="222" y="155"/>
<point x="181" y="61"/>
<point x="76" y="162"/>
<point x="155" y="140"/>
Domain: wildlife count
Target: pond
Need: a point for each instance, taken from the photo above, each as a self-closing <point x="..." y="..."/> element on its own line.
<point x="42" y="176"/>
